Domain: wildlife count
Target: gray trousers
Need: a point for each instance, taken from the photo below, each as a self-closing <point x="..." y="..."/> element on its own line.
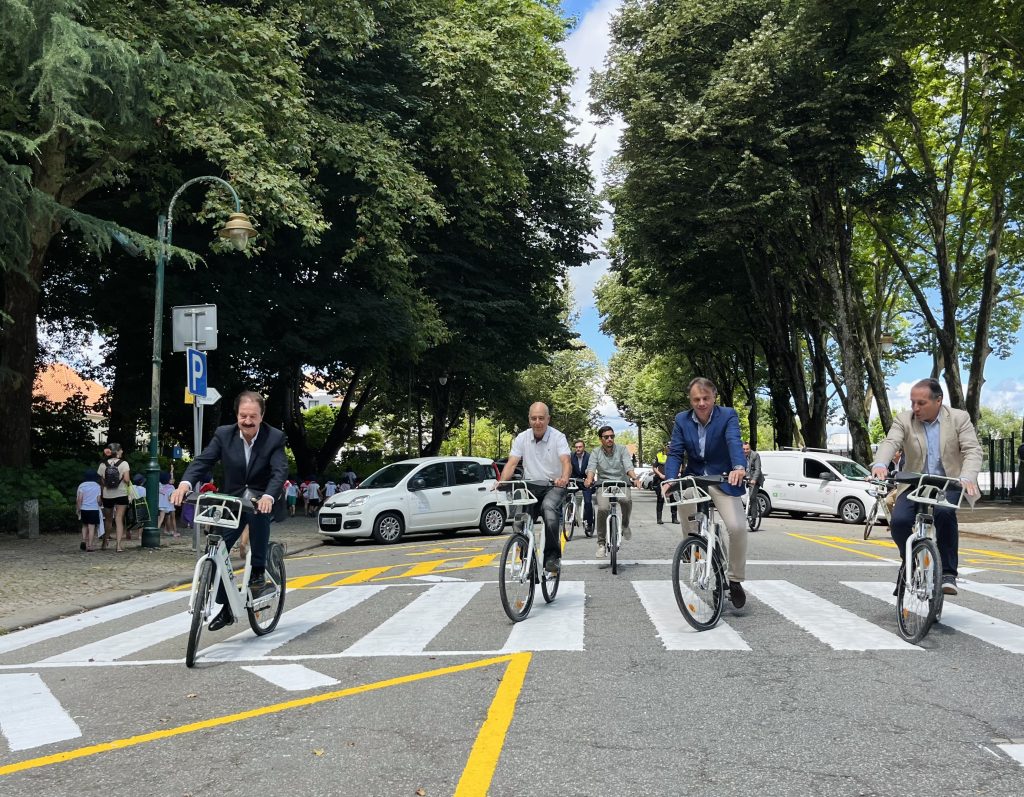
<point x="604" y="505"/>
<point x="731" y="513"/>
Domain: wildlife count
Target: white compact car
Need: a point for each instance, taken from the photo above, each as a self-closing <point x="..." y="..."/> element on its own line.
<point x="814" y="482"/>
<point x="426" y="494"/>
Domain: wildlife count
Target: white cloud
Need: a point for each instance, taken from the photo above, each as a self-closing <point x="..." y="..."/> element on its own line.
<point x="1006" y="393"/>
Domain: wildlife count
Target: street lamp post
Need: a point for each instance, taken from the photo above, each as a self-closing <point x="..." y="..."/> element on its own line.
<point x="238" y="230"/>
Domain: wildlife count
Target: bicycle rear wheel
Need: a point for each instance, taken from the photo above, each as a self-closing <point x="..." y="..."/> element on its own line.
<point x="568" y="520"/>
<point x="613" y="543"/>
<point x="516" y="583"/>
<point x="264" y="619"/>
<point x="871" y="520"/>
<point x="202" y="608"/>
<point x="919" y="602"/>
<point x="698" y="583"/>
<point x="549" y="584"/>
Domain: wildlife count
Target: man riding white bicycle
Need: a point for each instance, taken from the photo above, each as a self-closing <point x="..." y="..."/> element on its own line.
<point x="255" y="468"/>
<point x="709" y="437"/>
<point x="544" y="452"/>
<point x="935" y="440"/>
<point x="610" y="462"/>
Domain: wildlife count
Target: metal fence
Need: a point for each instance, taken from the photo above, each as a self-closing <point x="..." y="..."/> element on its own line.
<point x="999" y="479"/>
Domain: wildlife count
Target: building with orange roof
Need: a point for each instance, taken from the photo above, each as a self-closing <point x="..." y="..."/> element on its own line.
<point x="57" y="382"/>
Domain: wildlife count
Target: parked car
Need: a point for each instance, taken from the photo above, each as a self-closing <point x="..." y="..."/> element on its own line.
<point x="516" y="474"/>
<point x="804" y="482"/>
<point x="425" y="494"/>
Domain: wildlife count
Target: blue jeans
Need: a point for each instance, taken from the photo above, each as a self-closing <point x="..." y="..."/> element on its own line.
<point x="947" y="530"/>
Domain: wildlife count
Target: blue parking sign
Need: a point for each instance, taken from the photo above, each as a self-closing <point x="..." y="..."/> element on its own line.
<point x="196" y="361"/>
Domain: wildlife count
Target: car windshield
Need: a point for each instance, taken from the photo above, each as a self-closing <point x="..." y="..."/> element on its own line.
<point x="387" y="477"/>
<point x="849" y="468"/>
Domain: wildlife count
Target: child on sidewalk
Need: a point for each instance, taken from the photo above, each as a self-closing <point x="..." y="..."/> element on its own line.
<point x="168" y="517"/>
<point x="88" y="503"/>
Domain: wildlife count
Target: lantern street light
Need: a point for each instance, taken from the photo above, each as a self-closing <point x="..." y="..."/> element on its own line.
<point x="238" y="230"/>
<point x="886" y="343"/>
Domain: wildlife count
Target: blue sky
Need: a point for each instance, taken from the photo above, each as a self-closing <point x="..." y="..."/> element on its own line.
<point x="585" y="48"/>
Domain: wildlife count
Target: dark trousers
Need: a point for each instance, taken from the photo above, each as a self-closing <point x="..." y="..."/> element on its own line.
<point x="947" y="530"/>
<point x="259" y="536"/>
<point x="660" y="508"/>
<point x="549" y="503"/>
<point x="588" y="506"/>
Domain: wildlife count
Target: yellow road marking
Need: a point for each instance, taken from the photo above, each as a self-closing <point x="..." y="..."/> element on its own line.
<point x="833" y="545"/>
<point x="303" y="581"/>
<point x="487" y="751"/>
<point x="363" y="575"/>
<point x="995" y="554"/>
<point x="463" y="549"/>
<point x="483" y="758"/>
<point x="848" y="541"/>
<point x="422" y="568"/>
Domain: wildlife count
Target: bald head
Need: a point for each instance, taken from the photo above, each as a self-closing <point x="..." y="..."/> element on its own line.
<point x="539" y="418"/>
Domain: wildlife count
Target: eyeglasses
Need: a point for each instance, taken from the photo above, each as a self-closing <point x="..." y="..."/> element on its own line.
<point x="607" y="437"/>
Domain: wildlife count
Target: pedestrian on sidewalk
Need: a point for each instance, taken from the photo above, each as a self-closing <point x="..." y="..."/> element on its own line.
<point x="115" y="475"/>
<point x="168" y="517"/>
<point x="291" y="491"/>
<point x="88" y="504"/>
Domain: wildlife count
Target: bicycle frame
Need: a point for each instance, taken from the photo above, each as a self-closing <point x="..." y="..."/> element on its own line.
<point x="521" y="497"/>
<point x="221" y="559"/>
<point x="706" y="525"/>
<point x="931" y="496"/>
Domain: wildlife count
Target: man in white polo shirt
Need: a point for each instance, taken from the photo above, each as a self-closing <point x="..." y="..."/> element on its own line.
<point x="544" y="452"/>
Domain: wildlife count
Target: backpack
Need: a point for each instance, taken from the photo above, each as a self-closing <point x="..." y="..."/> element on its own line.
<point x="111" y="474"/>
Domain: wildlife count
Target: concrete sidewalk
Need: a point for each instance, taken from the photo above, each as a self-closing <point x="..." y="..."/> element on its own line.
<point x="49" y="577"/>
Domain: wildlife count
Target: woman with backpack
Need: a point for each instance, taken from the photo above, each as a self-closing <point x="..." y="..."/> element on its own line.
<point x="115" y="475"/>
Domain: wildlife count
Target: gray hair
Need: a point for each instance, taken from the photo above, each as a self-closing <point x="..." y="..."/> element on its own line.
<point x="703" y="383"/>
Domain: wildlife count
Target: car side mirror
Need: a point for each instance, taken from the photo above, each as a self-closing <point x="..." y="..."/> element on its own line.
<point x="419" y="483"/>
<point x="828" y="476"/>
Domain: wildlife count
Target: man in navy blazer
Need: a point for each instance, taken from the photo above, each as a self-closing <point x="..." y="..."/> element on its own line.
<point x="255" y="466"/>
<point x="580" y="461"/>
<point x="709" y="437"/>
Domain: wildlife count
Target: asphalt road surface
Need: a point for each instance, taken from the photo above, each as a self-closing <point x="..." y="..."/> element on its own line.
<point x="394" y="671"/>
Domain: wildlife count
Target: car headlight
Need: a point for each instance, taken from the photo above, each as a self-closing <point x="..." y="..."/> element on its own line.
<point x="358" y="501"/>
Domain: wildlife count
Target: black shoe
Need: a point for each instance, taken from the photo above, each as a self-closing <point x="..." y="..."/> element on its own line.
<point x="224" y="618"/>
<point x="260" y="587"/>
<point x="552" y="564"/>
<point x="737" y="595"/>
<point x="661" y="522"/>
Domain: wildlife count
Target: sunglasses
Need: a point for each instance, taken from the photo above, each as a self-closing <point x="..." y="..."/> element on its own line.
<point x="607" y="437"/>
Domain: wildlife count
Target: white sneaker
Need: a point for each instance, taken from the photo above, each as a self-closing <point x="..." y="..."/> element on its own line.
<point x="601" y="551"/>
<point x="626" y="533"/>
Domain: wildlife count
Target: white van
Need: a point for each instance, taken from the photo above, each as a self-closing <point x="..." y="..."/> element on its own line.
<point x="808" y="481"/>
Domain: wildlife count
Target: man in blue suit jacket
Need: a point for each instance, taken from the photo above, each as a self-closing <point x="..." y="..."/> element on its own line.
<point x="255" y="467"/>
<point x="580" y="461"/>
<point x="709" y="436"/>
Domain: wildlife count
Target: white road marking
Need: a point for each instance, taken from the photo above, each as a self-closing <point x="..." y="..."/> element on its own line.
<point x="1015" y="751"/>
<point x="750" y="562"/>
<point x="30" y="716"/>
<point x="293" y="677"/>
<point x="675" y="633"/>
<point x="1003" y="592"/>
<point x="437" y="579"/>
<point x="411" y="629"/>
<point x="551" y="626"/>
<point x="127" y="642"/>
<point x="294" y="623"/>
<point x="988" y="629"/>
<point x="835" y="626"/>
<point x="68" y="625"/>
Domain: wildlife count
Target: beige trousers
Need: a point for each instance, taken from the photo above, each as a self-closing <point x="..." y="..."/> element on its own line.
<point x="603" y="505"/>
<point x="731" y="513"/>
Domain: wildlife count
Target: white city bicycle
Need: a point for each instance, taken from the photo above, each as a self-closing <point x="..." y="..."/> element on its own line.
<point x="521" y="558"/>
<point x="613" y="491"/>
<point x="214" y="568"/>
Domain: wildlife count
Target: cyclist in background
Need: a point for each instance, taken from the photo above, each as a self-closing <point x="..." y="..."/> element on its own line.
<point x="544" y="452"/>
<point x="580" y="463"/>
<point x="755" y="478"/>
<point x="659" y="476"/>
<point x="611" y="463"/>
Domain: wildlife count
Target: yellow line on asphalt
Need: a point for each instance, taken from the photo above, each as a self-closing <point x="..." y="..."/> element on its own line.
<point x="215" y="722"/>
<point x="483" y="758"/>
<point x="361" y="576"/>
<point x="386" y="548"/>
<point x="833" y="545"/>
<point x="995" y="554"/>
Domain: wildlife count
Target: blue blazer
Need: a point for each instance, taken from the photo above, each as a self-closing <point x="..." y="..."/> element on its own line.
<point x="578" y="473"/>
<point x="723" y="447"/>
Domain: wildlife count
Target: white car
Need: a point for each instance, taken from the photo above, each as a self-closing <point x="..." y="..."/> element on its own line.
<point x="425" y="494"/>
<point x="804" y="482"/>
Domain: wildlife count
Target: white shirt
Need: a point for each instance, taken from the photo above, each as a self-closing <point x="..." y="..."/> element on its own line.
<point x="541" y="458"/>
<point x="313" y="491"/>
<point x="330" y="489"/>
<point x="247" y="445"/>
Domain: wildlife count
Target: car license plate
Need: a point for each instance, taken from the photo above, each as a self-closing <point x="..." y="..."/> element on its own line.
<point x="329" y="521"/>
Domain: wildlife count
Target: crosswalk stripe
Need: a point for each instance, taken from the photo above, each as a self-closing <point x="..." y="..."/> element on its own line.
<point x="835" y="626"/>
<point x="293" y="677"/>
<point x="551" y="626"/>
<point x="1015" y="751"/>
<point x="30" y="715"/>
<point x="411" y="629"/>
<point x="675" y="633"/>
<point x="127" y="642"/>
<point x="293" y="623"/>
<point x="988" y="629"/>
<point x="68" y="625"/>
<point x="1000" y="592"/>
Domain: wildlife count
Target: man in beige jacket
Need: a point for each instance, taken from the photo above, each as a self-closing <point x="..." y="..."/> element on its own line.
<point x="941" y="441"/>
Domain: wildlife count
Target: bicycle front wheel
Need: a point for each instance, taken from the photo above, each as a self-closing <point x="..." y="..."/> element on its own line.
<point x="516" y="582"/>
<point x="568" y="520"/>
<point x="919" y="602"/>
<point x="264" y="619"/>
<point x="754" y="513"/>
<point x="549" y="584"/>
<point x="871" y="520"/>
<point x="613" y="543"/>
<point x="698" y="582"/>
<point x="202" y="608"/>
